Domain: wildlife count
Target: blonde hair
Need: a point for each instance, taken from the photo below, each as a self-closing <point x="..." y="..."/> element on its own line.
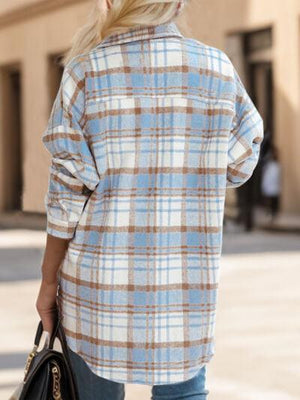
<point x="123" y="15"/>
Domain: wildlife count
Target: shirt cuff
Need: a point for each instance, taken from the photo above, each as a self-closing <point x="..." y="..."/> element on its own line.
<point x="60" y="229"/>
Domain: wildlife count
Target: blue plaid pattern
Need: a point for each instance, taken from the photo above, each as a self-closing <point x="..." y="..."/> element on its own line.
<point x="147" y="131"/>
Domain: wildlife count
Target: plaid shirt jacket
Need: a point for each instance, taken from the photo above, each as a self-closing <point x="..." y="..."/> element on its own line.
<point x="147" y="131"/>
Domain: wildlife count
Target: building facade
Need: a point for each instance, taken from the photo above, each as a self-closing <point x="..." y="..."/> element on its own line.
<point x="260" y="36"/>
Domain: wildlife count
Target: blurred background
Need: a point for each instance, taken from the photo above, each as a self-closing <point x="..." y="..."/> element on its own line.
<point x="257" y="334"/>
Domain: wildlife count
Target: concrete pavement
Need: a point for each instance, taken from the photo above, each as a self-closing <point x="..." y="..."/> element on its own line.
<point x="257" y="333"/>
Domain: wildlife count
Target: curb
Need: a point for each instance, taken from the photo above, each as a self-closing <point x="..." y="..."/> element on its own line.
<point x="23" y="220"/>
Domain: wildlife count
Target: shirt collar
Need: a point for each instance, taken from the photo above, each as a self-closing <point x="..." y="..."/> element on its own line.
<point x="142" y="32"/>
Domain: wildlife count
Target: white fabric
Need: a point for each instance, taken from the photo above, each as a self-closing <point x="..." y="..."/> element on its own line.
<point x="271" y="178"/>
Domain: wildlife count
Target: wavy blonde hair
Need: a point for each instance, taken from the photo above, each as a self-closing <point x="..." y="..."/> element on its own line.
<point x="123" y="15"/>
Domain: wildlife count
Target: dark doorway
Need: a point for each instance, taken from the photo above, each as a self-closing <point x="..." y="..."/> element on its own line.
<point x="261" y="83"/>
<point x="55" y="71"/>
<point x="12" y="146"/>
<point x="257" y="49"/>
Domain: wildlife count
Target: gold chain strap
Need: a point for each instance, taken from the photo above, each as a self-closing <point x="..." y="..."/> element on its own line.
<point x="30" y="357"/>
<point x="56" y="381"/>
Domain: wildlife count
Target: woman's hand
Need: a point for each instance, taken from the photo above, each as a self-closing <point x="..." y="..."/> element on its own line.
<point x="46" y="304"/>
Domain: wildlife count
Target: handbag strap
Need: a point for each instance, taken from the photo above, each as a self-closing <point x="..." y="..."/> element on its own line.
<point x="62" y="337"/>
<point x="54" y="333"/>
<point x="57" y="331"/>
<point x="38" y="334"/>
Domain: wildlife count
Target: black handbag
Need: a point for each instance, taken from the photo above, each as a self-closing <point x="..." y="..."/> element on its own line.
<point x="48" y="373"/>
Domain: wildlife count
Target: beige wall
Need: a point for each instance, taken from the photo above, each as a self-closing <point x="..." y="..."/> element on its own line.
<point x="8" y="6"/>
<point x="241" y="15"/>
<point x="28" y="37"/>
<point x="29" y="42"/>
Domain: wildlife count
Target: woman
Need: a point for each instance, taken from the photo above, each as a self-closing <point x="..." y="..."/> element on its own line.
<point x="147" y="131"/>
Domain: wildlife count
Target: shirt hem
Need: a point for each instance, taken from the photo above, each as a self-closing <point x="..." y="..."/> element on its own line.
<point x="72" y="344"/>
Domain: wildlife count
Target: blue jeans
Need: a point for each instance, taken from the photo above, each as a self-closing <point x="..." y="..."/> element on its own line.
<point x="94" y="387"/>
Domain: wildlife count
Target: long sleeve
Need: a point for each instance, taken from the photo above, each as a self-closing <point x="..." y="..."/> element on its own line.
<point x="245" y="137"/>
<point x="73" y="173"/>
